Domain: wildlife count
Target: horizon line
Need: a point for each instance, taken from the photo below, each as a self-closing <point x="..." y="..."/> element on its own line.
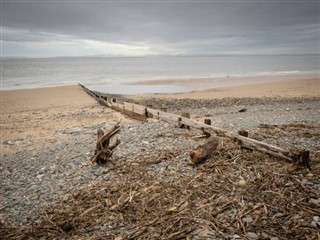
<point x="155" y="56"/>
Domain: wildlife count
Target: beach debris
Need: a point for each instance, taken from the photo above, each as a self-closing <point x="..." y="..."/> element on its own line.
<point x="103" y="151"/>
<point x="207" y="121"/>
<point x="243" y="133"/>
<point x="182" y="125"/>
<point x="299" y="156"/>
<point x="202" y="152"/>
<point x="242" y="110"/>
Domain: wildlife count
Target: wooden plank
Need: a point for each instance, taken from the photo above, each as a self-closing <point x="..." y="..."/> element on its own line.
<point x="193" y="123"/>
<point x="141" y="112"/>
<point x="163" y="115"/>
<point x="139" y="109"/>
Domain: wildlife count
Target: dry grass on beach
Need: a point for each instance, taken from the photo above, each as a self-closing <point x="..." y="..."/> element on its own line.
<point x="233" y="195"/>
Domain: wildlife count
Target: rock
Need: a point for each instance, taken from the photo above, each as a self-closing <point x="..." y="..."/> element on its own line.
<point x="315" y="222"/>
<point x="247" y="219"/>
<point x="9" y="142"/>
<point x="314" y="201"/>
<point x="316" y="218"/>
<point x="236" y="236"/>
<point x="33" y="187"/>
<point x="252" y="235"/>
<point x="242" y="183"/>
<point x="279" y="215"/>
<point x="274" y="238"/>
<point x="242" y="110"/>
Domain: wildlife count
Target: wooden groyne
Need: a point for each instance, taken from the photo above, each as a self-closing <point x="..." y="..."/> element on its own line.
<point x="142" y="113"/>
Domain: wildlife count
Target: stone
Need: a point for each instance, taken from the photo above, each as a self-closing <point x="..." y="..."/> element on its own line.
<point x="247" y="219"/>
<point x="316" y="218"/>
<point x="252" y="235"/>
<point x="314" y="201"/>
<point x="242" y="182"/>
<point x="33" y="187"/>
<point x="9" y="142"/>
<point x="279" y="214"/>
<point x="274" y="238"/>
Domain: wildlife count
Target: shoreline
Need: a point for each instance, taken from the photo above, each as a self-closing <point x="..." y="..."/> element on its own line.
<point x="206" y="83"/>
<point x="262" y="86"/>
<point x="287" y="88"/>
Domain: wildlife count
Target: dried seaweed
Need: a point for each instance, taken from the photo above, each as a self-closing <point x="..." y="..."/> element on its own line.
<point x="213" y="200"/>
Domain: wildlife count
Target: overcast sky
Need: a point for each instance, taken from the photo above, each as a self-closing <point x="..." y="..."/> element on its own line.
<point x="139" y="28"/>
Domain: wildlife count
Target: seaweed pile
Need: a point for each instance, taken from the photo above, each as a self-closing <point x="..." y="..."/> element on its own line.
<point x="235" y="194"/>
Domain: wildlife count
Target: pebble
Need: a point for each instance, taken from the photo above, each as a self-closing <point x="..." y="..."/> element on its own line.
<point x="279" y="215"/>
<point x="242" y="183"/>
<point x="33" y="187"/>
<point x="315" y="221"/>
<point x="247" y="219"/>
<point x="252" y="235"/>
<point x="314" y="201"/>
<point x="274" y="238"/>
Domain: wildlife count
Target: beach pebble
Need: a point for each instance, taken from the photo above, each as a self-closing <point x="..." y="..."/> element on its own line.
<point x="242" y="183"/>
<point x="247" y="219"/>
<point x="314" y="201"/>
<point x="252" y="235"/>
<point x="279" y="215"/>
<point x="9" y="142"/>
<point x="315" y="221"/>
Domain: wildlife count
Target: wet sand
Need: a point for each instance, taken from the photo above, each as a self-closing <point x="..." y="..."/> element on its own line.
<point x="276" y="87"/>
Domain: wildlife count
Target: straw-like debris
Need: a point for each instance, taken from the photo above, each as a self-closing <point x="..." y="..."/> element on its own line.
<point x="234" y="194"/>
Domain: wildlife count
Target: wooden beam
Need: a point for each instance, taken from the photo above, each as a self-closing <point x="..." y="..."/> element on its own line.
<point x="142" y="112"/>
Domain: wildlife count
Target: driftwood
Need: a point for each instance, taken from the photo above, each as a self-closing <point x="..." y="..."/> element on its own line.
<point x="300" y="156"/>
<point x="103" y="151"/>
<point x="202" y="152"/>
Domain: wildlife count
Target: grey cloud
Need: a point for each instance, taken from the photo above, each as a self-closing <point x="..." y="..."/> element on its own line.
<point x="169" y="23"/>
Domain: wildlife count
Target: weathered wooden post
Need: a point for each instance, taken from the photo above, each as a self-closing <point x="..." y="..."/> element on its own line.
<point x="207" y="121"/>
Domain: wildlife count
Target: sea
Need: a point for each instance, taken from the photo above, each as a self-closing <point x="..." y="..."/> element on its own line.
<point x="114" y="74"/>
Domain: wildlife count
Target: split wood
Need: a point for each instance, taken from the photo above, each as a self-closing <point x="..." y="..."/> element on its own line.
<point x="103" y="151"/>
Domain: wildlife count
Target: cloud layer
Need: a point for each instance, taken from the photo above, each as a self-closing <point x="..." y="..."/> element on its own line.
<point x="73" y="28"/>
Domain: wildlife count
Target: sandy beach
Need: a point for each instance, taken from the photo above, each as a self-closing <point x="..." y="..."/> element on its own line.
<point x="48" y="136"/>
<point x="239" y="87"/>
<point x="37" y="111"/>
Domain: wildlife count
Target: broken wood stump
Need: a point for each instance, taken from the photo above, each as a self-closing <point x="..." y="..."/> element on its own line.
<point x="243" y="133"/>
<point x="181" y="125"/>
<point x="207" y="121"/>
<point x="103" y="151"/>
<point x="202" y="152"/>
